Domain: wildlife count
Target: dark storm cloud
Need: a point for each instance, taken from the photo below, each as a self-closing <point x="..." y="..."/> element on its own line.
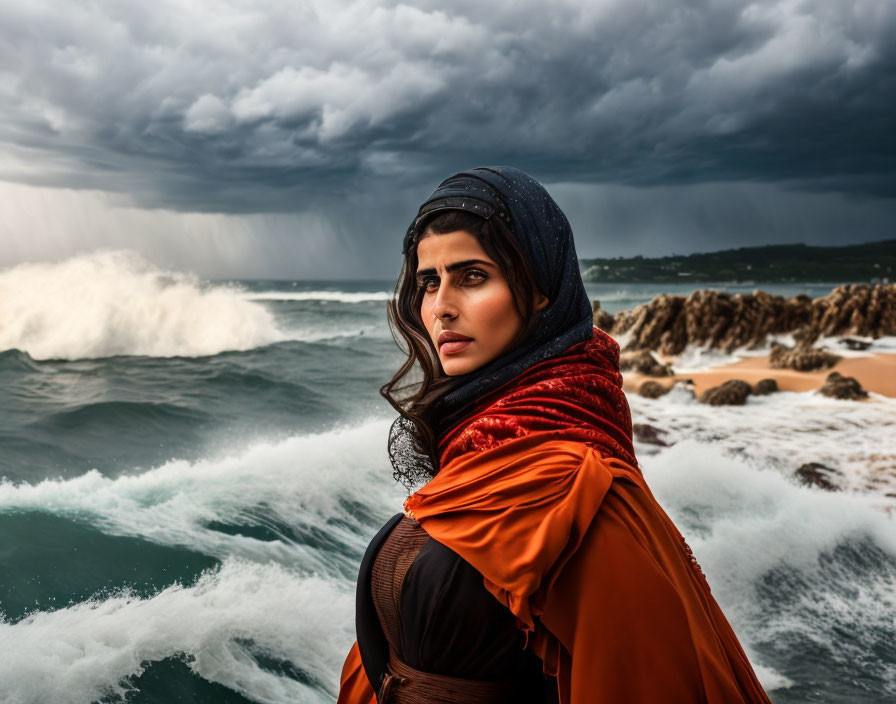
<point x="285" y="106"/>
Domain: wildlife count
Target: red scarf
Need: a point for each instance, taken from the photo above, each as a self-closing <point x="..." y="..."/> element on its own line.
<point x="579" y="393"/>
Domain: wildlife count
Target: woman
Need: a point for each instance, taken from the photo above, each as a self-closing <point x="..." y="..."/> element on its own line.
<point x="534" y="565"/>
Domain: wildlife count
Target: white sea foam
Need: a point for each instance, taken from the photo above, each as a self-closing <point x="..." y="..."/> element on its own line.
<point x="884" y="344"/>
<point x="785" y="430"/>
<point x="273" y="597"/>
<point x="299" y="482"/>
<point x="880" y="345"/>
<point x="82" y="652"/>
<point x="742" y="522"/>
<point x="697" y="358"/>
<point x="115" y="303"/>
<point x="766" y="542"/>
<point x="334" y="296"/>
<point x="725" y="482"/>
<point x="746" y="520"/>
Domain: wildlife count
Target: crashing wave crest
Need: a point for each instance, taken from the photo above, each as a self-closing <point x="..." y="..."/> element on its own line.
<point x="112" y="303"/>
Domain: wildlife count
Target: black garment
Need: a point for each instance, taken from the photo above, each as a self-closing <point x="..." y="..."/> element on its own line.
<point x="450" y="624"/>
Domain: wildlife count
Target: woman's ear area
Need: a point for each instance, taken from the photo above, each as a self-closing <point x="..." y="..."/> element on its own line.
<point x="541" y="301"/>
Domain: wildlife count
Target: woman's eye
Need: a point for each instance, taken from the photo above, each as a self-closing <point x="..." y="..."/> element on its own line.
<point x="473" y="276"/>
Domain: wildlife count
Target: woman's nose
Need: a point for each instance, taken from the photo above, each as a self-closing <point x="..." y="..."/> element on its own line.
<point x="444" y="306"/>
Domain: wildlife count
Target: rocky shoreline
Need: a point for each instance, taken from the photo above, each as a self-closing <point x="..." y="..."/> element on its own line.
<point x="668" y="324"/>
<point x="653" y="334"/>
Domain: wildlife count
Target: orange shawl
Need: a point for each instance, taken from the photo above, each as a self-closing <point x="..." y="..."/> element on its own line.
<point x="593" y="568"/>
<point x="574" y="543"/>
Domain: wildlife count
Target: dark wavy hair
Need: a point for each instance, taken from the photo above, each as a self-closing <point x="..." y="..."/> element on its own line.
<point x="420" y="381"/>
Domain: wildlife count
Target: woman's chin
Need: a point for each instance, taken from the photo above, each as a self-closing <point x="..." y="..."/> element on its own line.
<point x="456" y="367"/>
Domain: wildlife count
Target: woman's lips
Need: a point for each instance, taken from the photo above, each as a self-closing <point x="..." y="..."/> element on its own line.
<point x="454" y="346"/>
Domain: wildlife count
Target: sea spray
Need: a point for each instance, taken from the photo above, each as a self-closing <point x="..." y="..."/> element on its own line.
<point x="806" y="577"/>
<point x="785" y="430"/>
<point x="289" y="519"/>
<point x="303" y="501"/>
<point x="742" y="521"/>
<point x="223" y="625"/>
<point x="115" y="303"/>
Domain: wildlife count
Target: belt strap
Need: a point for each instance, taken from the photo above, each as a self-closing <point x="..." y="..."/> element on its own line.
<point x="405" y="685"/>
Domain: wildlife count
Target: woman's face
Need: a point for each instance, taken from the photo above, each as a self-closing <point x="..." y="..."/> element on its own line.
<point x="467" y="305"/>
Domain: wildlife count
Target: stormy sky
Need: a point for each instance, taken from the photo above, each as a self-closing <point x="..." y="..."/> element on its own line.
<point x="296" y="138"/>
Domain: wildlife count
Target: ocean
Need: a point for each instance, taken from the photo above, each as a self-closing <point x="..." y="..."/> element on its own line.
<point x="192" y="470"/>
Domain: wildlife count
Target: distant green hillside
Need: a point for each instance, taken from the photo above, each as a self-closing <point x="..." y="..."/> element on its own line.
<point x="874" y="262"/>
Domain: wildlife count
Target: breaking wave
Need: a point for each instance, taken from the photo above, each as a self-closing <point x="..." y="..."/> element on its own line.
<point x="229" y="627"/>
<point x="289" y="520"/>
<point x="265" y="502"/>
<point x="806" y="577"/>
<point x="112" y="303"/>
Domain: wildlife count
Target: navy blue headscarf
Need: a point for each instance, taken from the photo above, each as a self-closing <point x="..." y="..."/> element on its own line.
<point x="544" y="236"/>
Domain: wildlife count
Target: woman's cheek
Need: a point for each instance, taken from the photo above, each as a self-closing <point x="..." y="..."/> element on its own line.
<point x="496" y="323"/>
<point x="498" y="311"/>
<point x="426" y="316"/>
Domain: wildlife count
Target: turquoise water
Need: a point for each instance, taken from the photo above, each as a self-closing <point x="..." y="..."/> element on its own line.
<point x="192" y="471"/>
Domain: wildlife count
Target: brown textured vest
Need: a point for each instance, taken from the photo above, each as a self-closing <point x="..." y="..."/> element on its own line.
<point x="403" y="684"/>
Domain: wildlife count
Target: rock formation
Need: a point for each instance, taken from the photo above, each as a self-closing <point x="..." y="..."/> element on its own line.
<point x="802" y="358"/>
<point x="643" y="362"/>
<point x="764" y="387"/>
<point x="652" y="389"/>
<point x="602" y="318"/>
<point x="844" y="387"/>
<point x="649" y="434"/>
<point x="733" y="392"/>
<point x="816" y="474"/>
<point x="726" y="321"/>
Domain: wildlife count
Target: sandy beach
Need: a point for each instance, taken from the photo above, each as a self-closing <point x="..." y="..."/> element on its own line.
<point x="876" y="373"/>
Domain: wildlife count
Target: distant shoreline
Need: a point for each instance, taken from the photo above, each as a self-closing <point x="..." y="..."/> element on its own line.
<point x="869" y="263"/>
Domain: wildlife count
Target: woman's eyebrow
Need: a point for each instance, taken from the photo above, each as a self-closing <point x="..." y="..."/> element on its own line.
<point x="456" y="265"/>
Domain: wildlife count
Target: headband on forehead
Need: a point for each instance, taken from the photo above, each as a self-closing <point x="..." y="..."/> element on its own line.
<point x="460" y="192"/>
